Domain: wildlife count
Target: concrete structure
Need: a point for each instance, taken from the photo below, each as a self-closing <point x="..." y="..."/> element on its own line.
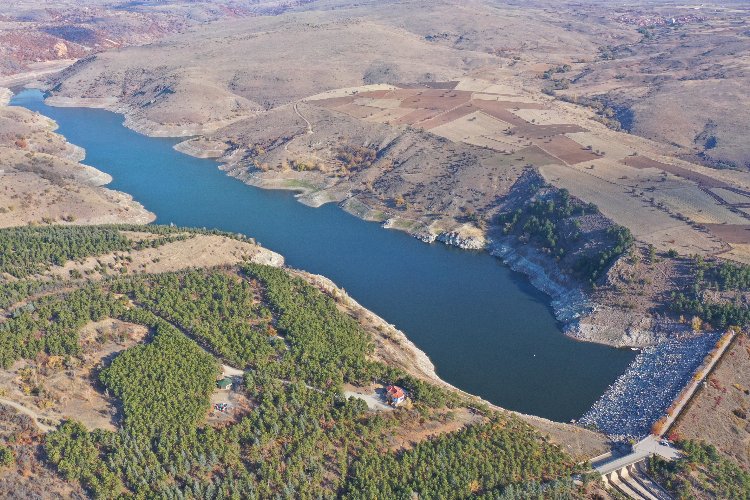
<point x="627" y="473"/>
<point x="633" y="481"/>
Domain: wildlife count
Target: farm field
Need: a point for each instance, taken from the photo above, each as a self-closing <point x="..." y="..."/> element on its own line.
<point x="664" y="202"/>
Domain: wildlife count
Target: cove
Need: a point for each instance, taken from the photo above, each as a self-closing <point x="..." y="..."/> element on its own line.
<point x="486" y="329"/>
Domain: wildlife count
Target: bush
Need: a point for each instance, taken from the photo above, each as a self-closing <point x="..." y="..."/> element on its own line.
<point x="7" y="457"/>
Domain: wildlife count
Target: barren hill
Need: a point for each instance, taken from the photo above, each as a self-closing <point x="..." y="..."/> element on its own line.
<point x="431" y="118"/>
<point x="43" y="180"/>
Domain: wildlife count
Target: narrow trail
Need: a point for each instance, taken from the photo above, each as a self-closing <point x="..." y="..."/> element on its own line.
<point x="31" y="413"/>
<point x="309" y="125"/>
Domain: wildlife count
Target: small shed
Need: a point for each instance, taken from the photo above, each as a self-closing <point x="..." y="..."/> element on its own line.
<point x="395" y="395"/>
<point x="224" y="384"/>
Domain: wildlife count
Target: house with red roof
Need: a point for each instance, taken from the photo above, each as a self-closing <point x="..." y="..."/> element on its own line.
<point x="395" y="395"/>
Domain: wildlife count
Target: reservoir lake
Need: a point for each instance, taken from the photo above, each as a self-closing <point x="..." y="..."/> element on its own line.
<point x="486" y="329"/>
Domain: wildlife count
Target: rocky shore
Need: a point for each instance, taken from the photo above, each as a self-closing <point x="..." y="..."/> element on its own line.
<point x="572" y="305"/>
<point x="582" y="318"/>
<point x="5" y="96"/>
<point x="643" y="393"/>
<point x="569" y="301"/>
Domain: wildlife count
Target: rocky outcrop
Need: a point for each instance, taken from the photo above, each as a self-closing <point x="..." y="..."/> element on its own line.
<point x="569" y="300"/>
<point x="456" y="239"/>
<point x="5" y="95"/>
<point x="201" y="149"/>
<point x="81" y="102"/>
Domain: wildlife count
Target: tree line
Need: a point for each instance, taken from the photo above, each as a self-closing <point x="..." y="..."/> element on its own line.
<point x="302" y="438"/>
<point x="730" y="280"/>
<point x="551" y="220"/>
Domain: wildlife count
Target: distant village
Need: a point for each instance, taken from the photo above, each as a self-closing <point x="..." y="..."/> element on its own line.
<point x="647" y="20"/>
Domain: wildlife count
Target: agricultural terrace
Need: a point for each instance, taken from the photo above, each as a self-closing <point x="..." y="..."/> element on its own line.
<point x="665" y="202"/>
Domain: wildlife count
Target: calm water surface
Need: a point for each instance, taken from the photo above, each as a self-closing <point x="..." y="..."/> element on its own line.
<point x="487" y="330"/>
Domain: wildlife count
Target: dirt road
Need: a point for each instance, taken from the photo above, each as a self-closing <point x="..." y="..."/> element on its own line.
<point x="27" y="411"/>
<point x="309" y="125"/>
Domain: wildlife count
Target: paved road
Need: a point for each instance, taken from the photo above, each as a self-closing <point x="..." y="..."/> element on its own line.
<point x="648" y="446"/>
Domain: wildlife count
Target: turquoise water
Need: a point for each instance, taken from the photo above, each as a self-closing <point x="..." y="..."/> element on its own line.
<point x="487" y="330"/>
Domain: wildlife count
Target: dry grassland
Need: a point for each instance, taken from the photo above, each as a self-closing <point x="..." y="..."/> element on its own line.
<point x="472" y="126"/>
<point x="51" y="390"/>
<point x="197" y="251"/>
<point x="566" y="149"/>
<point x="731" y="196"/>
<point x="731" y="233"/>
<point x="738" y="252"/>
<point x="718" y="413"/>
<point x="41" y="180"/>
<point x="647" y="223"/>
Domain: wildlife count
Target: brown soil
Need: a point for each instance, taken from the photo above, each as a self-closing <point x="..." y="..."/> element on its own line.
<point x="731" y="233"/>
<point x="417" y="116"/>
<point x="413" y="429"/>
<point x="448" y="116"/>
<point x="547" y="131"/>
<point x="29" y="477"/>
<point x="499" y="110"/>
<point x="701" y="179"/>
<point x="240" y="406"/>
<point x="53" y="391"/>
<point x="567" y="150"/>
<point x="643" y="162"/>
<point x="718" y="413"/>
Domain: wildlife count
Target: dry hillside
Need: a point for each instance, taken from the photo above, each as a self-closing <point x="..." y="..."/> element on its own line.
<point x="43" y="181"/>
<point x="426" y="117"/>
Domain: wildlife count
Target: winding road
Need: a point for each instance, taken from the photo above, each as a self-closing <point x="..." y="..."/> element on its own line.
<point x="309" y="125"/>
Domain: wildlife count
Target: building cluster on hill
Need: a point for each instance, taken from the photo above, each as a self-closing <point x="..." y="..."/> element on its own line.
<point x="646" y="20"/>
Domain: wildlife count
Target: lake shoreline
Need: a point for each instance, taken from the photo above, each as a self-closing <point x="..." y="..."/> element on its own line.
<point x="571" y="302"/>
<point x="396" y="349"/>
<point x="572" y="305"/>
<point x="604" y="366"/>
<point x="79" y="191"/>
